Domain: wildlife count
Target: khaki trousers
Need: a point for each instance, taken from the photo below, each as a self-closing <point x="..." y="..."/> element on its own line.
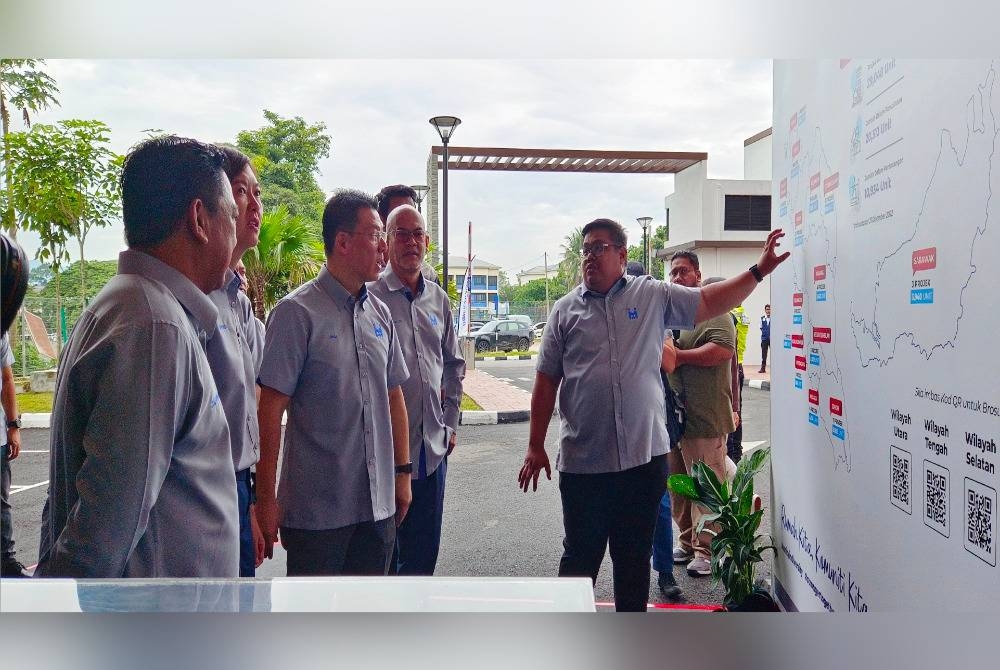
<point x="712" y="451"/>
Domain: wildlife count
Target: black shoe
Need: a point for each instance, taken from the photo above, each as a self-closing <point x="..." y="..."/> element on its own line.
<point x="13" y="568"/>
<point x="668" y="586"/>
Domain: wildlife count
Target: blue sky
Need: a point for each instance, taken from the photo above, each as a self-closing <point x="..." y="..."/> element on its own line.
<point x="376" y="113"/>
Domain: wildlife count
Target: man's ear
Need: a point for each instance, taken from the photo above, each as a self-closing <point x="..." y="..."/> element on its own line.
<point x="197" y="220"/>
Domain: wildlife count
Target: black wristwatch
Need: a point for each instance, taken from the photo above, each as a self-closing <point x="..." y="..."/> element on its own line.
<point x="405" y="469"/>
<point x="755" y="271"/>
<point x="16" y="423"/>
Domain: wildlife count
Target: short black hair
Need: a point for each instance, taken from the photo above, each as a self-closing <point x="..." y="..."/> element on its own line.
<point x="236" y="160"/>
<point x="635" y="269"/>
<point x="160" y="179"/>
<point x="388" y="193"/>
<point x="691" y="256"/>
<point x="618" y="234"/>
<point x="341" y="214"/>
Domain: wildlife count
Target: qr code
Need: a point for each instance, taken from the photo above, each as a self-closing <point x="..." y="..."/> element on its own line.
<point x="980" y="502"/>
<point x="936" y="513"/>
<point x="899" y="473"/>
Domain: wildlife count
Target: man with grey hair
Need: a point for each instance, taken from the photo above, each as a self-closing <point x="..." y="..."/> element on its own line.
<point x="422" y="315"/>
<point x="141" y="480"/>
<point x="332" y="359"/>
<point x="603" y="335"/>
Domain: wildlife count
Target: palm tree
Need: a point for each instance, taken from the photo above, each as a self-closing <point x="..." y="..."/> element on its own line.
<point x="26" y="88"/>
<point x="569" y="266"/>
<point x="288" y="253"/>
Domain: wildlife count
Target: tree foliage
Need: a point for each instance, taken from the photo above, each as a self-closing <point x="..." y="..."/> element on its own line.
<point x="93" y="274"/>
<point x="285" y="154"/>
<point x="569" y="266"/>
<point x="289" y="252"/>
<point x="658" y="241"/>
<point x="27" y="88"/>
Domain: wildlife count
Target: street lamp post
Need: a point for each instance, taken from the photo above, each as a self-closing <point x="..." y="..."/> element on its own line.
<point x="445" y="126"/>
<point x="421" y="192"/>
<point x="644" y="221"/>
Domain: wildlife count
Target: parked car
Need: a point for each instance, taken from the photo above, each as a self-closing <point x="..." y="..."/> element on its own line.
<point x="538" y="328"/>
<point x="523" y="318"/>
<point x="503" y="334"/>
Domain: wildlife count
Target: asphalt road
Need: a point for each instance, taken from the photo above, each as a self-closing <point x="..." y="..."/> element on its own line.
<point x="491" y="528"/>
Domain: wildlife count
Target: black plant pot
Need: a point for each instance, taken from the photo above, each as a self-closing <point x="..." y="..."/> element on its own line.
<point x="758" y="601"/>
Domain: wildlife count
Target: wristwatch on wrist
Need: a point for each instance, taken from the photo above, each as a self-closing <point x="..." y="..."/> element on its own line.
<point x="404" y="469"/>
<point x="16" y="423"/>
<point x="755" y="271"/>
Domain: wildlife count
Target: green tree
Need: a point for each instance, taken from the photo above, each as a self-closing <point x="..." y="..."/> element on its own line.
<point x="658" y="241"/>
<point x="289" y="252"/>
<point x="40" y="275"/>
<point x="64" y="183"/>
<point x="569" y="266"/>
<point x="285" y="155"/>
<point x="24" y="87"/>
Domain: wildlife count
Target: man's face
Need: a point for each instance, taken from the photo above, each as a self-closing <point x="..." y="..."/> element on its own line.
<point x="221" y="234"/>
<point x="366" y="247"/>
<point x="682" y="272"/>
<point x="407" y="242"/>
<point x="246" y="192"/>
<point x="241" y="272"/>
<point x="605" y="262"/>
<point x="767" y="311"/>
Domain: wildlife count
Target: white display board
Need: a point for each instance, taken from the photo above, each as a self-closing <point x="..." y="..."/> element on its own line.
<point x="885" y="394"/>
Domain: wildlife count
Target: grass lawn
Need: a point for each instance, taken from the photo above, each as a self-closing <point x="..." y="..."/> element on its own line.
<point x="34" y="402"/>
<point x="470" y="404"/>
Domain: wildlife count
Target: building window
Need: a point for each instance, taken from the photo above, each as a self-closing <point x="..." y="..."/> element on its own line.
<point x="492" y="283"/>
<point x="748" y="212"/>
<point x="479" y="299"/>
<point x="479" y="281"/>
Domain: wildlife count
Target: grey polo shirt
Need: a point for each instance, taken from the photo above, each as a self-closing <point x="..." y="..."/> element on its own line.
<point x="6" y="361"/>
<point x="424" y="328"/>
<point x="232" y="361"/>
<point x="141" y="480"/>
<point x="336" y="358"/>
<point x="606" y="350"/>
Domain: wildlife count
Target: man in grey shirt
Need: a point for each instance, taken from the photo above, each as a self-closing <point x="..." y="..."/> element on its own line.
<point x="231" y="354"/>
<point x="422" y="316"/>
<point x="332" y="360"/>
<point x="141" y="473"/>
<point x="602" y="336"/>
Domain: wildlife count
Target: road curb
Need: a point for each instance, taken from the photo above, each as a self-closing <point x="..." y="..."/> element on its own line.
<point x="521" y="357"/>
<point x="761" y="384"/>
<point x="36" y="420"/>
<point x="491" y="418"/>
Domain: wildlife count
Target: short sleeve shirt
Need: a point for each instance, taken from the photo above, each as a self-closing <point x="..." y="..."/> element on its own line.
<point x="231" y="357"/>
<point x="6" y="361"/>
<point x="606" y="349"/>
<point x="336" y="356"/>
<point x="707" y="390"/>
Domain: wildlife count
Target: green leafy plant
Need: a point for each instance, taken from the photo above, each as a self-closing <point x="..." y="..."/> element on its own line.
<point x="737" y="548"/>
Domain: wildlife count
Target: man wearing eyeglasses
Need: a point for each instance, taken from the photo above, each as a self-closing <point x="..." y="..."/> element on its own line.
<point x="602" y="337"/>
<point x="393" y="196"/>
<point x="332" y="359"/>
<point x="422" y="316"/>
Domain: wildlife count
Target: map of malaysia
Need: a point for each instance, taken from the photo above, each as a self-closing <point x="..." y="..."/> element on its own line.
<point x="914" y="289"/>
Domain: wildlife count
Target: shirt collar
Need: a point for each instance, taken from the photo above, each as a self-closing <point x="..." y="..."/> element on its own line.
<point x="337" y="292"/>
<point x="232" y="283"/>
<point x="191" y="298"/>
<point x="394" y="283"/>
<point x="617" y="286"/>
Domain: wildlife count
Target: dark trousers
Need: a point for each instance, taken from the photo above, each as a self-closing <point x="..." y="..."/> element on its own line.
<point x="418" y="538"/>
<point x="616" y="510"/>
<point x="734" y="443"/>
<point x="359" y="549"/>
<point x="244" y="495"/>
<point x="764" y="346"/>
<point x="6" y="522"/>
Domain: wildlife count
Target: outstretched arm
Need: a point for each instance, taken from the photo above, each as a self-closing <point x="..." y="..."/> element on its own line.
<point x="722" y="296"/>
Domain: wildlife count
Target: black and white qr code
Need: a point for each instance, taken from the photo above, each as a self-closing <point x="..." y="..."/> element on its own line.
<point x="900" y="475"/>
<point x="980" y="503"/>
<point x="936" y="495"/>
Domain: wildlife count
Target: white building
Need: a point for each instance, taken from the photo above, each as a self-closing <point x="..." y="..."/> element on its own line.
<point x="725" y="222"/>
<point x="537" y="272"/>
<point x="485" y="284"/>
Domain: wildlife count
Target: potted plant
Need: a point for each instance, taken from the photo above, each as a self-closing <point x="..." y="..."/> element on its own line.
<point x="736" y="512"/>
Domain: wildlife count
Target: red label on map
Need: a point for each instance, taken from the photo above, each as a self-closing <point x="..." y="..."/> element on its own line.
<point x="819" y="272"/>
<point x="783" y="188"/>
<point x="823" y="335"/>
<point x="798" y="218"/>
<point x="831" y="182"/>
<point x="795" y="148"/>
<point x="924" y="259"/>
<point x="844" y="62"/>
<point x="813" y="396"/>
<point x="800" y="362"/>
<point x="793" y="122"/>
<point x="797" y="299"/>
<point x="836" y="407"/>
<point x="798" y="342"/>
<point x="814" y="182"/>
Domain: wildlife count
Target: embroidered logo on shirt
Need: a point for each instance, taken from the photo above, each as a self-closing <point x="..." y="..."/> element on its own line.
<point x="378" y="330"/>
<point x="333" y="337"/>
<point x="434" y="320"/>
<point x="633" y="313"/>
<point x="214" y="401"/>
